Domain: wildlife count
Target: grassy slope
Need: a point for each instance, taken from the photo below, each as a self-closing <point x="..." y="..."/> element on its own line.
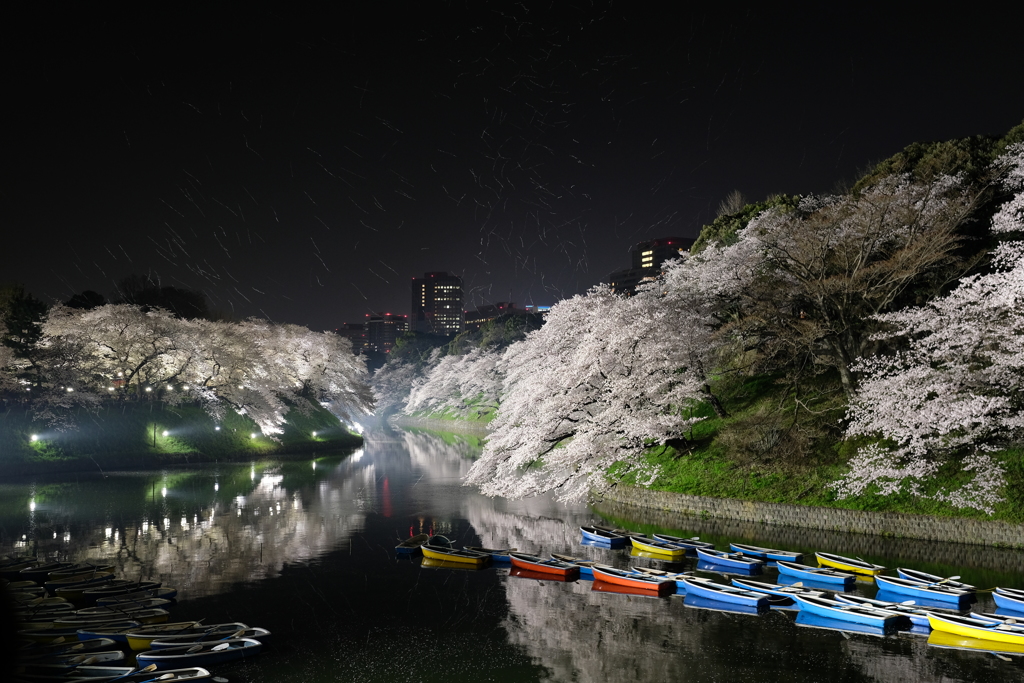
<point x="131" y="434"/>
<point x="711" y="465"/>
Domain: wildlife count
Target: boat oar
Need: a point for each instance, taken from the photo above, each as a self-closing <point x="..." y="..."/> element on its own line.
<point x="939" y="583"/>
<point x="151" y="667"/>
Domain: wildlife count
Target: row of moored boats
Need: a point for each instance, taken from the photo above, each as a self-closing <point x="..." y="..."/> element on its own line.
<point x="78" y="622"/>
<point x="910" y="600"/>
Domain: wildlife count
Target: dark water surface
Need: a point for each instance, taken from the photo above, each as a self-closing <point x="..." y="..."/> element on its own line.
<point x="306" y="549"/>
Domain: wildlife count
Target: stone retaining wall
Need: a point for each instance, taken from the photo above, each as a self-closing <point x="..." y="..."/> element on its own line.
<point x="969" y="531"/>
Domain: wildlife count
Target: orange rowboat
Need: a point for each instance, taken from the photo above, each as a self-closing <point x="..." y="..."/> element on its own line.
<point x="645" y="582"/>
<point x="537" y="576"/>
<point x="550" y="566"/>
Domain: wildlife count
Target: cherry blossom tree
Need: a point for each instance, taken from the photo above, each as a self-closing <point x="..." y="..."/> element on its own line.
<point x="605" y="378"/>
<point x="955" y="392"/>
<point x="459" y="384"/>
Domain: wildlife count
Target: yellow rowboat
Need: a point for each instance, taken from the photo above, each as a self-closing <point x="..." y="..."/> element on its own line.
<point x="139" y="638"/>
<point x="428" y="563"/>
<point x="952" y="641"/>
<point x="977" y="629"/>
<point x="662" y="549"/>
<point x="849" y="564"/>
<point x="467" y="557"/>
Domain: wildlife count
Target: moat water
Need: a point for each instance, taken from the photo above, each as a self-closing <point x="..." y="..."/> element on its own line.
<point x="306" y="549"/>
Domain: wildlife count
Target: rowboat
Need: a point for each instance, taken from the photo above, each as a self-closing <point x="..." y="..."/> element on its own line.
<point x="708" y="589"/>
<point x="80" y="569"/>
<point x="735" y="560"/>
<point x="660" y="548"/>
<point x="820" y="575"/>
<point x="135" y="596"/>
<point x="430" y="563"/>
<point x="164" y="642"/>
<point x="586" y="566"/>
<point x="918" y="616"/>
<point x="468" y="557"/>
<point x="20" y="585"/>
<point x="143" y="675"/>
<point x="545" y="566"/>
<point x="618" y="589"/>
<point x="497" y="554"/>
<point x="894" y="584"/>
<point x="925" y="577"/>
<point x="607" y="539"/>
<point x="1009" y="598"/>
<point x="621" y="532"/>
<point x="411" y="545"/>
<point x="71" y="580"/>
<point x="849" y="564"/>
<point x="11" y="572"/>
<point x="806" y="619"/>
<point x="74" y="646"/>
<point x="58" y="664"/>
<point x="209" y="653"/>
<point x="953" y="641"/>
<point x="766" y="553"/>
<point x="646" y="582"/>
<point x="975" y="628"/>
<point x="119" y="587"/>
<point x="776" y="589"/>
<point x="149" y="615"/>
<point x="49" y="632"/>
<point x="38" y="572"/>
<point x="127" y="607"/>
<point x="140" y="638"/>
<point x="691" y="544"/>
<point x="859" y="614"/>
<point x="670" y="576"/>
<point x="521" y="573"/>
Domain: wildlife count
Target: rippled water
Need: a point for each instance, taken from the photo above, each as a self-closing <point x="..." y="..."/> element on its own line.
<point x="306" y="549"/>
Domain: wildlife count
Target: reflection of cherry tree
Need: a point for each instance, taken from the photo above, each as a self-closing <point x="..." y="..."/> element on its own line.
<point x="956" y="388"/>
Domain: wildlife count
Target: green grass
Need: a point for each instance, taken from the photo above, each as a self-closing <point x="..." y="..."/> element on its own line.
<point x="133" y="435"/>
<point x="716" y="460"/>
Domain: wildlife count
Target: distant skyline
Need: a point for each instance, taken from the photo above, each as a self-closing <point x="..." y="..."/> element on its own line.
<point x="306" y="166"/>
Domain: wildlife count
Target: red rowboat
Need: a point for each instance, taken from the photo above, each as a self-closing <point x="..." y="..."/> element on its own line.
<point x="538" y="576"/>
<point x="551" y="566"/>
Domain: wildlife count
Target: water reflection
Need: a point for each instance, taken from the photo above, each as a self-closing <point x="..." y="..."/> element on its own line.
<point x="305" y="549"/>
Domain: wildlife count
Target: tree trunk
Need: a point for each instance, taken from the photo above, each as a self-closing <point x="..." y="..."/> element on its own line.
<point x="716" y="405"/>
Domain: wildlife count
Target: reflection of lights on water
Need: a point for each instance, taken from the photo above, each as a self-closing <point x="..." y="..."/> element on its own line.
<point x="239" y="512"/>
<point x="314" y="434"/>
<point x="67" y="536"/>
<point x="357" y="455"/>
<point x="32" y="506"/>
<point x="163" y="492"/>
<point x="314" y="464"/>
<point x="358" y="427"/>
<point x="145" y="526"/>
<point x="108" y="532"/>
<point x="167" y="523"/>
<point x="55" y="534"/>
<point x="216" y="487"/>
<point x="252" y="473"/>
<point x="184" y="524"/>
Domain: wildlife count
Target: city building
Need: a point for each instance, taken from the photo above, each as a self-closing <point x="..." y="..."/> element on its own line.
<point x="648" y="258"/>
<point x="437" y="304"/>
<point x="355" y="333"/>
<point x="488" y="312"/>
<point x="382" y="329"/>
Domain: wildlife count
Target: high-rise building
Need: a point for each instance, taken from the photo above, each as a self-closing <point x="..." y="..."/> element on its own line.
<point x="382" y="329"/>
<point x="437" y="304"/>
<point x="355" y="333"/>
<point x="648" y="258"/>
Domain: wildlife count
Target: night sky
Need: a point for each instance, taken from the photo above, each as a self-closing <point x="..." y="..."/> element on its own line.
<point x="304" y="167"/>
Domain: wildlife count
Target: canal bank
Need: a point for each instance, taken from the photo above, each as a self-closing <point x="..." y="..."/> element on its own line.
<point x="678" y="506"/>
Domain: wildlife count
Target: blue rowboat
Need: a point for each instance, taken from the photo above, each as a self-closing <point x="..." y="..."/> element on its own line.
<point x="695" y="602"/>
<point x="1009" y="598"/>
<point x="586" y="566"/>
<point x="819" y="575"/>
<point x="600" y="537"/>
<point x="918" y="615"/>
<point x="767" y="553"/>
<point x="776" y="589"/>
<point x="808" y="620"/>
<point x="916" y="589"/>
<point x="708" y="589"/>
<point x="68" y="646"/>
<point x="133" y="675"/>
<point x="411" y="545"/>
<point x="621" y="532"/>
<point x="858" y="614"/>
<point x="736" y="560"/>
<point x="691" y="544"/>
<point x="925" y="577"/>
<point x="208" y="653"/>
